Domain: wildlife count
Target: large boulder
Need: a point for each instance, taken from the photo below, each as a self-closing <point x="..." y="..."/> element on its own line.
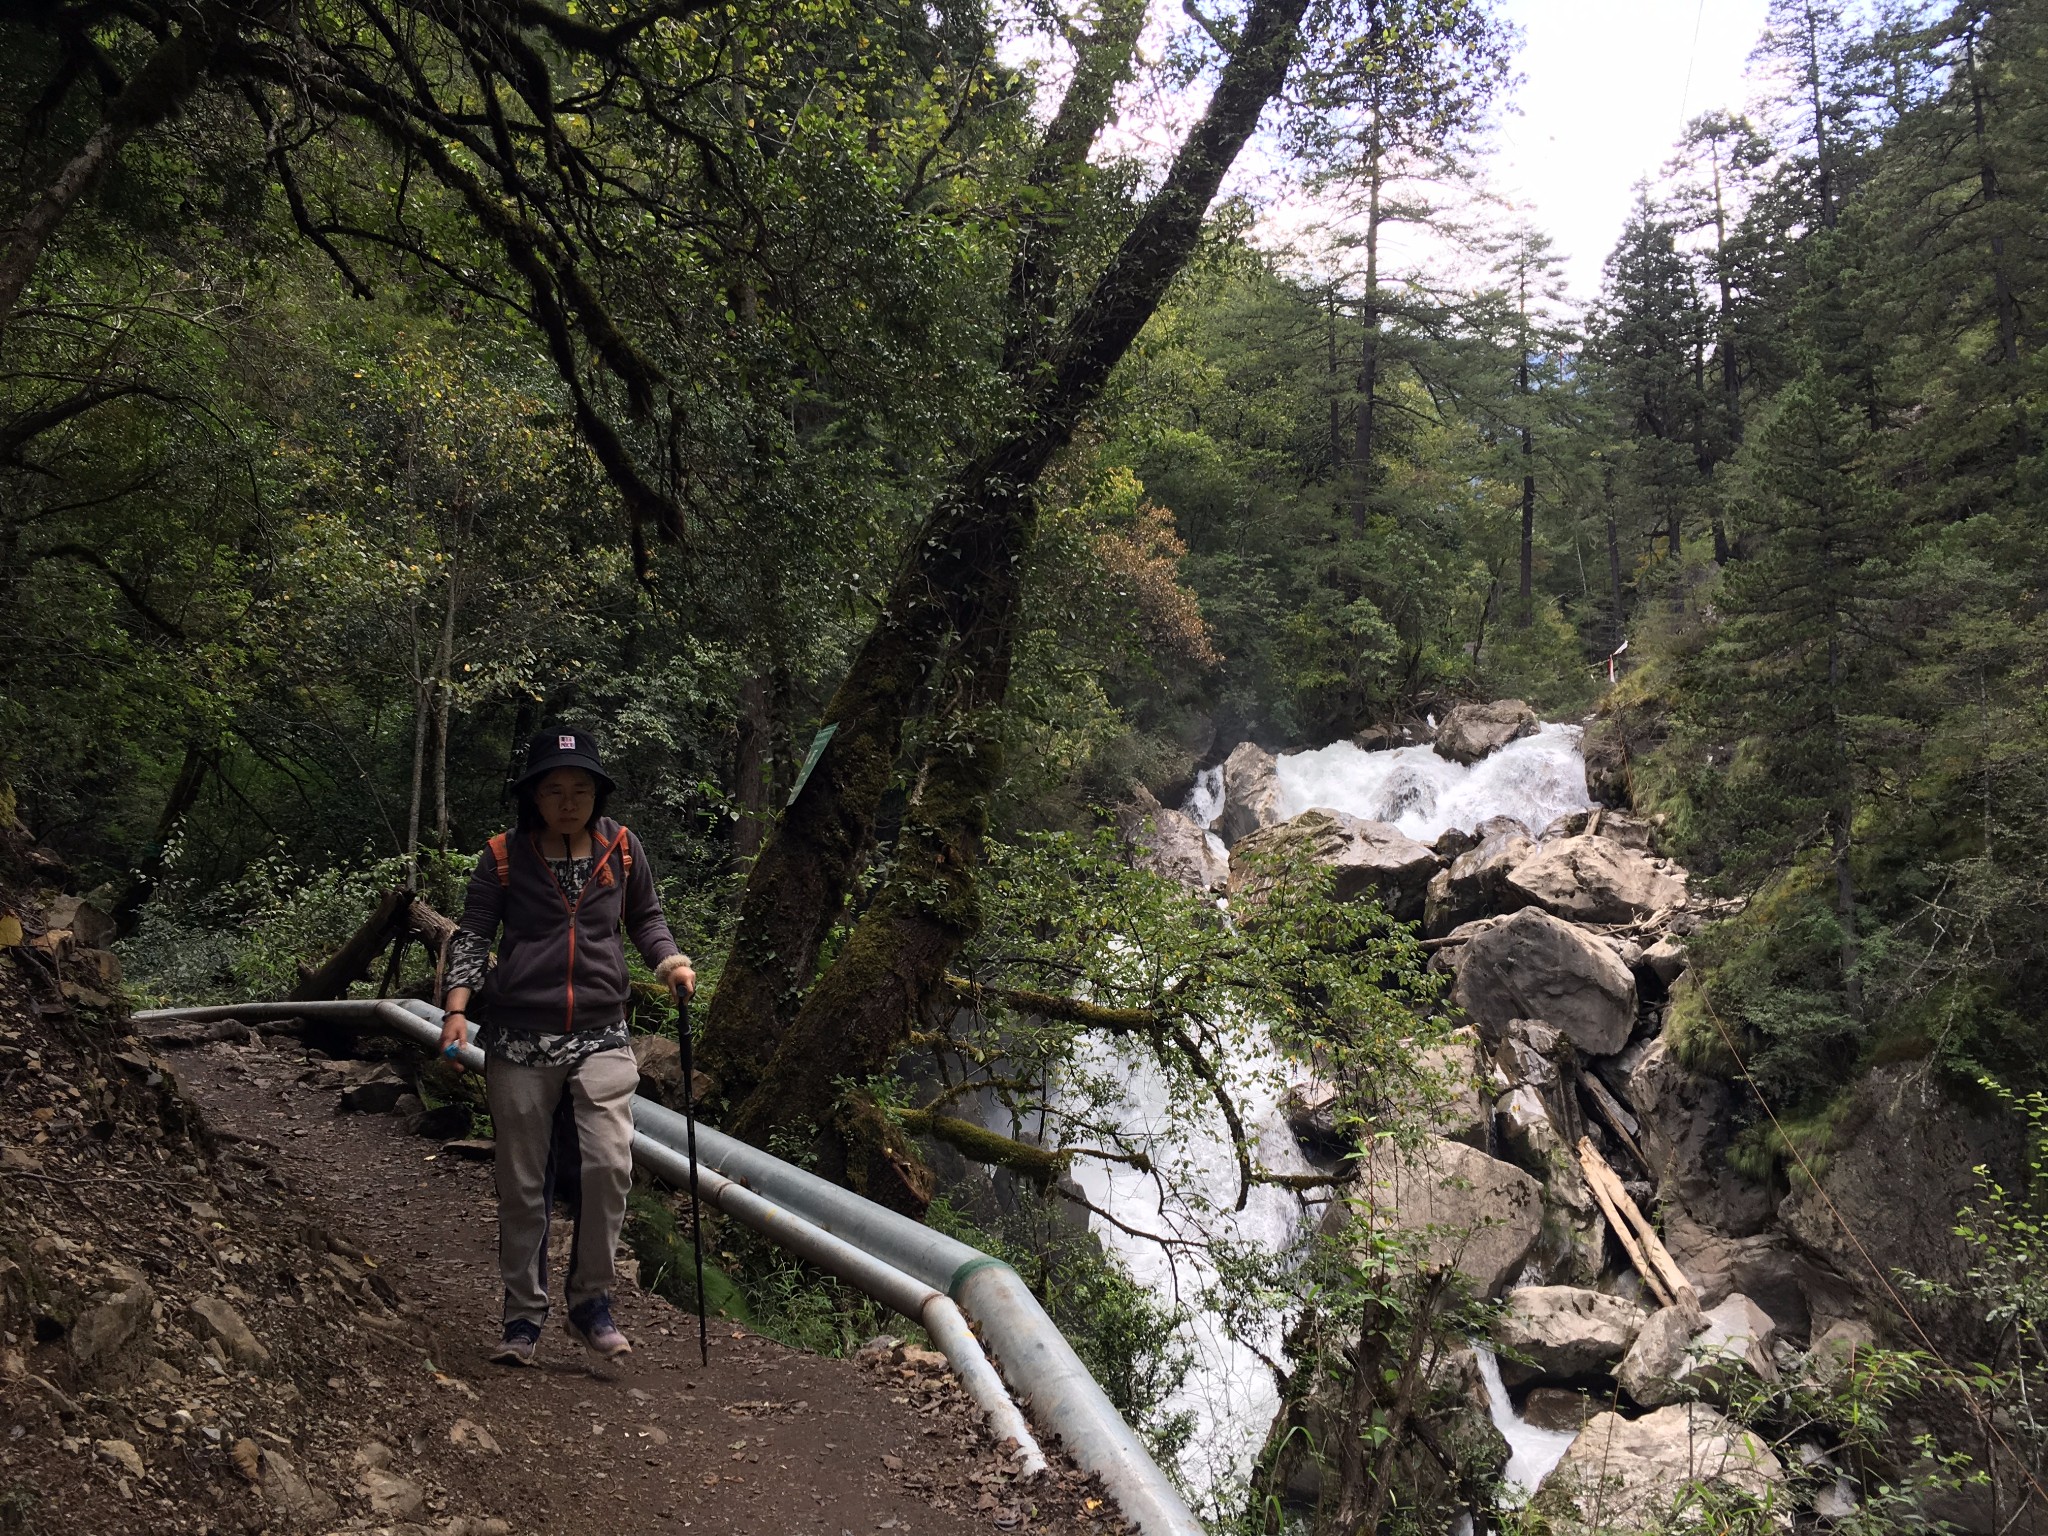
<point x="1532" y="966"/>
<point x="1573" y="1248"/>
<point x="1687" y="1122"/>
<point x="1766" y="1266"/>
<point x="103" y="1333"/>
<point x="1251" y="793"/>
<point x="1371" y="858"/>
<point x="1679" y="1354"/>
<point x="1564" y="1332"/>
<point x="1467" y="1211"/>
<point x="1592" y="880"/>
<point x="1169" y="843"/>
<point x="1902" y="1163"/>
<point x="1471" y="731"/>
<point x="1476" y="882"/>
<point x="1456" y="1107"/>
<point x="1630" y="1474"/>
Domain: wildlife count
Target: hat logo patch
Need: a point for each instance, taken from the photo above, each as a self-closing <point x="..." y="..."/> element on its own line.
<point x="565" y="743"/>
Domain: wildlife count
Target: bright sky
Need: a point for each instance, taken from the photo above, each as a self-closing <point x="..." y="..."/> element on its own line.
<point x="1607" y="85"/>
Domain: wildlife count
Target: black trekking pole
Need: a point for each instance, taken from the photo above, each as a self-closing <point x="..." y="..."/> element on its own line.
<point x="696" y="1213"/>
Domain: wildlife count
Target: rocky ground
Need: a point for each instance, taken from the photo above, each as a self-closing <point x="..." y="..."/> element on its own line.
<point x="1566" y="948"/>
<point x="227" y="1305"/>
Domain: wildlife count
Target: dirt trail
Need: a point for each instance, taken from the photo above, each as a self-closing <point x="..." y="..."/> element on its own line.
<point x="362" y="1259"/>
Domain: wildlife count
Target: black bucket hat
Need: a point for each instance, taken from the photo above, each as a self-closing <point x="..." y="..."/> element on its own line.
<point x="562" y="747"/>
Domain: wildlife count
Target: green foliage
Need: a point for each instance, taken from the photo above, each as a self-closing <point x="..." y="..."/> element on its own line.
<point x="1126" y="1337"/>
<point x="668" y="1262"/>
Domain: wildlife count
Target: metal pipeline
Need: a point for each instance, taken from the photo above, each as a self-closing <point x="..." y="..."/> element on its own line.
<point x="922" y="1274"/>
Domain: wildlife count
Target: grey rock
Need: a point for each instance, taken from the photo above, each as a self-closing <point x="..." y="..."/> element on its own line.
<point x="1169" y="844"/>
<point x="1665" y="961"/>
<point x="1476" y="883"/>
<point x="286" y="1490"/>
<point x="1687" y="1122"/>
<point x="120" y="1453"/>
<point x="1468" y="1211"/>
<point x="1371" y="858"/>
<point x="1471" y="731"/>
<point x="1251" y="793"/>
<point x="1592" y="880"/>
<point x="1616" y="826"/>
<point x="1904" y="1166"/>
<point x="1629" y="1473"/>
<point x="1834" y="1352"/>
<point x="1765" y="1266"/>
<point x="106" y="1331"/>
<point x="1678" y="1355"/>
<point x="1557" y="1408"/>
<point x="390" y="1496"/>
<point x="213" y="1317"/>
<point x="1652" y="1371"/>
<point x="1532" y="966"/>
<point x="1457" y="1109"/>
<point x="1565" y="1331"/>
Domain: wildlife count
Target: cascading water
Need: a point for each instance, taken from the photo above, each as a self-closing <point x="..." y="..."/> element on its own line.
<point x="1532" y="1451"/>
<point x="1229" y="1389"/>
<point x="1535" y="780"/>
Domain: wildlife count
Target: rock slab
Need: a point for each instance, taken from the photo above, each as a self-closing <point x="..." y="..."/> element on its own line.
<point x="1471" y="731"/>
<point x="1534" y="966"/>
<point x="1371" y="858"/>
<point x="1630" y="1474"/>
<point x="1565" y="1331"/>
<point x="1593" y="880"/>
<point x="213" y="1317"/>
<point x="1168" y="843"/>
<point x="1251" y="793"/>
<point x="1465" y="1210"/>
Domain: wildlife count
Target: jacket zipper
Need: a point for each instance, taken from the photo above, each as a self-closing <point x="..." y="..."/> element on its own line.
<point x="605" y="851"/>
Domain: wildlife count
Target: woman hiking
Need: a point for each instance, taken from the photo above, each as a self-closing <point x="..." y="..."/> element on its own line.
<point x="552" y="1024"/>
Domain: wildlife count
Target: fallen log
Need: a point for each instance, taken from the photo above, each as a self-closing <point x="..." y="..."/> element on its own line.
<point x="351" y="963"/>
<point x="1639" y="1239"/>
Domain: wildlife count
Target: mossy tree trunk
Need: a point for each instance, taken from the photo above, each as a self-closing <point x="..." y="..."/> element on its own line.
<point x="778" y="1044"/>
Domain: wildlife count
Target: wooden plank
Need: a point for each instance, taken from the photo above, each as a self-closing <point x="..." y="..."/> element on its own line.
<point x="1640" y="1240"/>
<point x="1618" y="1119"/>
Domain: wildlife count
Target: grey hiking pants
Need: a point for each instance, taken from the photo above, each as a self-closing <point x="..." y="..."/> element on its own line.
<point x="523" y="1101"/>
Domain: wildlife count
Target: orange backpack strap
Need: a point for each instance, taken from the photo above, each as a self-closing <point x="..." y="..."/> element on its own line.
<point x="623" y="844"/>
<point x="626" y="848"/>
<point x="501" y="852"/>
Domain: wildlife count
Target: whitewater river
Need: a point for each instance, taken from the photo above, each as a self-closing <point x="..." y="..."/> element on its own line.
<point x="1230" y="1390"/>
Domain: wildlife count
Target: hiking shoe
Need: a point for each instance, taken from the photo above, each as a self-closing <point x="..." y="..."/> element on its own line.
<point x="517" y="1346"/>
<point x="591" y="1325"/>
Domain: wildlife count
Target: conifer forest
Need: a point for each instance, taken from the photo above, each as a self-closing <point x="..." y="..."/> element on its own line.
<point x="1455" y="871"/>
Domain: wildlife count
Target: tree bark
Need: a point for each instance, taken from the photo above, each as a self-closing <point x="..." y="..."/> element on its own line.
<point x="165" y="82"/>
<point x="751" y="769"/>
<point x="1527" y="615"/>
<point x="954" y="582"/>
<point x="1613" y="554"/>
<point x="1364" y="431"/>
<point x="192" y="771"/>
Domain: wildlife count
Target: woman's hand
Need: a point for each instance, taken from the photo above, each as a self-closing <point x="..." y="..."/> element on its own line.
<point x="680" y="976"/>
<point x="454" y="1032"/>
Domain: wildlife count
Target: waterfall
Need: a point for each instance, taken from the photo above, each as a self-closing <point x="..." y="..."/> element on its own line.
<point x="1532" y="1451"/>
<point x="1535" y="780"/>
<point x="1229" y="1389"/>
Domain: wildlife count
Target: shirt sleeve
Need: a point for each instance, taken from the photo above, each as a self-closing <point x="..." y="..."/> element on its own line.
<point x="468" y="958"/>
<point x="646" y="924"/>
<point x="483" y="910"/>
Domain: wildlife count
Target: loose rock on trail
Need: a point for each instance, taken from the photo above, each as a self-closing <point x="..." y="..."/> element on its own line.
<point x="228" y="1307"/>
